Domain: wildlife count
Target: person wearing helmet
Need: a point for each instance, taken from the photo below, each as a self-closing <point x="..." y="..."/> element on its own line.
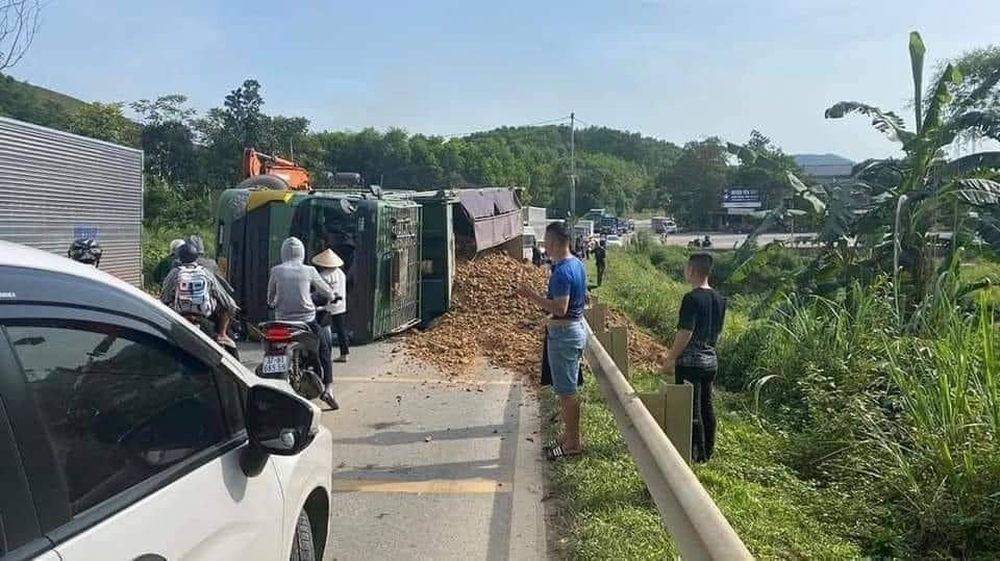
<point x="87" y="251"/>
<point x="216" y="303"/>
<point x="168" y="263"/>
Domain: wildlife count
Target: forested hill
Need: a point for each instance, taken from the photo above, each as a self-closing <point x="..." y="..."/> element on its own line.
<point x="190" y="156"/>
<point x="35" y="104"/>
<point x="614" y="168"/>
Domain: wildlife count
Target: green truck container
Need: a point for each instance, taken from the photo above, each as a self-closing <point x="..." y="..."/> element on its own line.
<point x="399" y="247"/>
<point x="378" y="239"/>
<point x="438" y="241"/>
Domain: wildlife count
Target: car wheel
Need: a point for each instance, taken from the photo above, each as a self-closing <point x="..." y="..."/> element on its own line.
<point x="302" y="544"/>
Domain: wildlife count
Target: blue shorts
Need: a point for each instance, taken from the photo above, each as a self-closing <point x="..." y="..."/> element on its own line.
<point x="565" y="346"/>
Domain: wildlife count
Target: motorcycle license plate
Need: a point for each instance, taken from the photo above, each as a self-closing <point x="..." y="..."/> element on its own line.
<point x="276" y="364"/>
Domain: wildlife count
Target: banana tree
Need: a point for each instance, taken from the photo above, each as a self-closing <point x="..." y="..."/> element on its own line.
<point x="884" y="217"/>
<point x="928" y="187"/>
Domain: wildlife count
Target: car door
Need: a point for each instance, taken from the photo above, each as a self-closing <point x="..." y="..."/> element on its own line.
<point x="134" y="443"/>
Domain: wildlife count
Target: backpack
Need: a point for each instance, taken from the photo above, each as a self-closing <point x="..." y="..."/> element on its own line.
<point x="193" y="293"/>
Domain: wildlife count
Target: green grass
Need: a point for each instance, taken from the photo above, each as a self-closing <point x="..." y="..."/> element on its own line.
<point x="156" y="245"/>
<point x="607" y="510"/>
<point x="982" y="269"/>
<point x="610" y="514"/>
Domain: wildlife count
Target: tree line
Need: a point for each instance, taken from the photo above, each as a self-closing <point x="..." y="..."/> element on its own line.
<point x="190" y="156"/>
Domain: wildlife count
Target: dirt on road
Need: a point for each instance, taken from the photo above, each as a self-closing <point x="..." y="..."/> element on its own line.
<point x="488" y="322"/>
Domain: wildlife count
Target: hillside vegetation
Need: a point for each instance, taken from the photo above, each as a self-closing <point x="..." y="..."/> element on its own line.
<point x="27" y="102"/>
<point x="190" y="157"/>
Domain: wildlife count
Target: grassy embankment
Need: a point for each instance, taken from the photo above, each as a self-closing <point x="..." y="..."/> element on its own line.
<point x="608" y="511"/>
<point x="847" y="433"/>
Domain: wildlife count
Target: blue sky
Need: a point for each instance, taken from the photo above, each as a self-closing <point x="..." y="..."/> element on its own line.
<point x="670" y="69"/>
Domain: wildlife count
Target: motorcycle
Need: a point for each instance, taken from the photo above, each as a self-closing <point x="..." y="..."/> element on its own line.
<point x="700" y="244"/>
<point x="291" y="351"/>
<point x="207" y="326"/>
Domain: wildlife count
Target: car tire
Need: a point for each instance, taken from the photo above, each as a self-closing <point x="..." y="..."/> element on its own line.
<point x="302" y="544"/>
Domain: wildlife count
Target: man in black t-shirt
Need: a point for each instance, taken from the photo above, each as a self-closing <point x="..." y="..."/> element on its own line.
<point x="693" y="358"/>
<point x="601" y="256"/>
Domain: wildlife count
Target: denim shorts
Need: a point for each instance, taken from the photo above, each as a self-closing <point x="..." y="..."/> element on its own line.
<point x="565" y="346"/>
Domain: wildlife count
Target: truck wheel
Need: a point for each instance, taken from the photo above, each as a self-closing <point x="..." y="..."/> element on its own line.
<point x="302" y="544"/>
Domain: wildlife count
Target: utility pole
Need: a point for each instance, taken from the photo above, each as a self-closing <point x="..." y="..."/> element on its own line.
<point x="572" y="166"/>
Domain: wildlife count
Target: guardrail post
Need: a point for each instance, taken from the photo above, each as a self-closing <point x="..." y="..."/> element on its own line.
<point x="679" y="402"/>
<point x="673" y="408"/>
<point x="596" y="316"/>
<point x="615" y="341"/>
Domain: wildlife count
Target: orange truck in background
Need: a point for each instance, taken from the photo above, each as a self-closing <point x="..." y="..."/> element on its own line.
<point x="273" y="172"/>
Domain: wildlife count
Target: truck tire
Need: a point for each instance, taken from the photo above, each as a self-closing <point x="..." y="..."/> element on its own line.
<point x="302" y="543"/>
<point x="266" y="181"/>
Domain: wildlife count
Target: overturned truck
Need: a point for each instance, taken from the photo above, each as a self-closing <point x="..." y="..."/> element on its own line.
<point x="399" y="247"/>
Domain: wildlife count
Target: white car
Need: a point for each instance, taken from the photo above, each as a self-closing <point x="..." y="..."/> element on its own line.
<point x="613" y="240"/>
<point x="126" y="433"/>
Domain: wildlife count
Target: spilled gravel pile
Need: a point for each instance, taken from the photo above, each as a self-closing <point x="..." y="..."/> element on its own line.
<point x="486" y="321"/>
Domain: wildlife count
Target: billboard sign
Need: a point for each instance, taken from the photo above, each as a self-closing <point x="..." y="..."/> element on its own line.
<point x="742" y="198"/>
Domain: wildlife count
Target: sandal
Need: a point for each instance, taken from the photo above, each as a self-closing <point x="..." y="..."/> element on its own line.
<point x="327" y="398"/>
<point x="558" y="452"/>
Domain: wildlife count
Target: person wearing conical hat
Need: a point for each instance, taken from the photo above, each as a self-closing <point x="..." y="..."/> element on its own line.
<point x="331" y="269"/>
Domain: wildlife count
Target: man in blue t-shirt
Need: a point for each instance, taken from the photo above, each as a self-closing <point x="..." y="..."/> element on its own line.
<point x="565" y="334"/>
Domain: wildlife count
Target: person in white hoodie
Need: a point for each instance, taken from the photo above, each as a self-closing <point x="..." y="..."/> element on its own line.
<point x="289" y="292"/>
<point x="330" y="267"/>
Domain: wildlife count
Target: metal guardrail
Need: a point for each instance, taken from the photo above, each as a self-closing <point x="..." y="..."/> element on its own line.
<point x="696" y="524"/>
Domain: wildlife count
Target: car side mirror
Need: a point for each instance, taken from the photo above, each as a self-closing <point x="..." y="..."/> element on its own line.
<point x="279" y="423"/>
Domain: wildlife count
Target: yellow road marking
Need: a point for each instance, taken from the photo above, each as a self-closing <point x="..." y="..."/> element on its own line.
<point x="427" y="487"/>
<point x="428" y="381"/>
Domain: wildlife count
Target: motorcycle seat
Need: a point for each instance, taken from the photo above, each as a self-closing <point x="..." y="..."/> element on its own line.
<point x="293" y="324"/>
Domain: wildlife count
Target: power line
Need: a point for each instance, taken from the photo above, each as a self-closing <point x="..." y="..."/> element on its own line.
<point x="535" y="124"/>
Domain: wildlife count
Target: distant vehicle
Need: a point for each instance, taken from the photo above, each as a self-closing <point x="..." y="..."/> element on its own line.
<point x="533" y="215"/>
<point x="584" y="228"/>
<point x="622" y="224"/>
<point x="608" y="225"/>
<point x="528" y="241"/>
<point x="614" y="240"/>
<point x="261" y="169"/>
<point x="132" y="417"/>
<point x="702" y="243"/>
<point x="664" y="225"/>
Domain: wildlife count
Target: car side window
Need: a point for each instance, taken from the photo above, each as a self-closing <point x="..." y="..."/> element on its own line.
<point x="119" y="406"/>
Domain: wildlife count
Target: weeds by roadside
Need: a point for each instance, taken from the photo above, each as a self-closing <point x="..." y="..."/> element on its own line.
<point x="611" y="515"/>
<point x="899" y="424"/>
<point x="608" y="510"/>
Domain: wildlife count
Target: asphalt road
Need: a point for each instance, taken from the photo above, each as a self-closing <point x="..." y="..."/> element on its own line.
<point x="719" y="241"/>
<point x="425" y="468"/>
<point x="729" y="241"/>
